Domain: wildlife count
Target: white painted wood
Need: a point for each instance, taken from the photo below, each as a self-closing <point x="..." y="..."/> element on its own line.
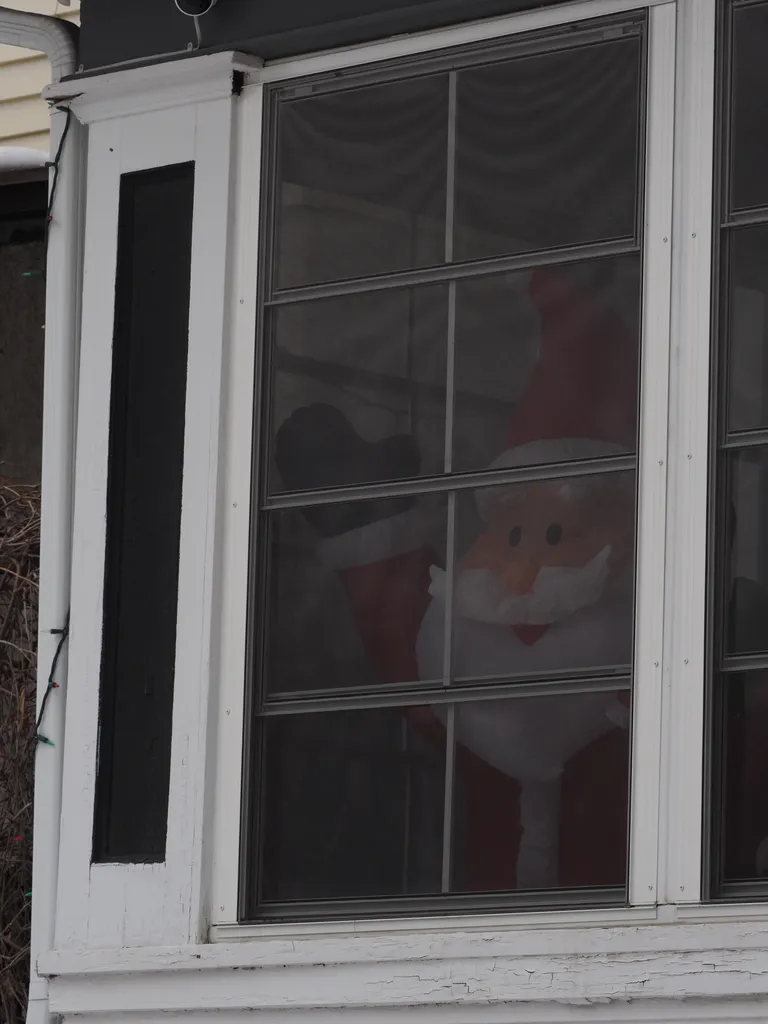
<point x="440" y="39"/>
<point x="229" y="628"/>
<point x="522" y="1013"/>
<point x="645" y="940"/>
<point x="684" y="667"/>
<point x="62" y="332"/>
<point x="130" y="938"/>
<point x="652" y="487"/>
<point x="187" y="823"/>
<point x="157" y="138"/>
<point x="110" y="904"/>
<point x="612" y="966"/>
<point x="88" y="537"/>
<point x="140" y="90"/>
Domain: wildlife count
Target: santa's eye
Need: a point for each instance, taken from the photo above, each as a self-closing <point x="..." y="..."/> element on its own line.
<point x="554" y="533"/>
<point x="515" y="536"/>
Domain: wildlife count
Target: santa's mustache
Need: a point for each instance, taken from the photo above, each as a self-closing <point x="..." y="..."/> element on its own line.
<point x="557" y="592"/>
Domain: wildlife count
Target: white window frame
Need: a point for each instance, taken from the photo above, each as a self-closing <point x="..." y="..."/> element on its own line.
<point x="652" y="468"/>
<point x="166" y="938"/>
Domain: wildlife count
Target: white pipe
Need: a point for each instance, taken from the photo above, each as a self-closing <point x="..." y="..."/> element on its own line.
<point x="62" y="315"/>
<point x="58" y="40"/>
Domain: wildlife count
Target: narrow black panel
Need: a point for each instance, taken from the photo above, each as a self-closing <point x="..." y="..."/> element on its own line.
<point x="114" y="31"/>
<point x="144" y="513"/>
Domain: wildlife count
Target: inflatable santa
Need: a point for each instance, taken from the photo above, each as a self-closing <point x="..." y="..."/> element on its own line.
<point x="545" y="588"/>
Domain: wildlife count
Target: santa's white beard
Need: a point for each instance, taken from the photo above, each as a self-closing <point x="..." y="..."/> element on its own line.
<point x="530" y="739"/>
<point x="558" y="591"/>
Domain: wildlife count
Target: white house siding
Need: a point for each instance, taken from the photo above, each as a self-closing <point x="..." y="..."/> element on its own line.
<point x="23" y="76"/>
<point x="159" y="943"/>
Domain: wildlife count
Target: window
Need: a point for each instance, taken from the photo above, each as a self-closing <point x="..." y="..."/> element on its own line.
<point x="740" y="601"/>
<point x="442" y="592"/>
<point x="141" y="577"/>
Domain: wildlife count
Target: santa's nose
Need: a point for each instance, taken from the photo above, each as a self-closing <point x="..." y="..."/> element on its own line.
<point x="519" y="576"/>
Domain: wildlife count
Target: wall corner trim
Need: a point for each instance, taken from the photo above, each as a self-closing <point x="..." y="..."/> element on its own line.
<point x="139" y="90"/>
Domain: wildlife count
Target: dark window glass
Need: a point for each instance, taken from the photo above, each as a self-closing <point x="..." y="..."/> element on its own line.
<point x="362" y="181"/>
<point x="547" y="150"/>
<point x="334" y="625"/>
<point x="552" y="773"/>
<point x="747" y="554"/>
<point x="743" y="703"/>
<point x="514" y="330"/>
<point x="738" y="854"/>
<point x="365" y="375"/>
<point x="748" y="330"/>
<point x="146" y="455"/>
<point x="353" y="804"/>
<point x="749" y="108"/>
<point x="448" y="460"/>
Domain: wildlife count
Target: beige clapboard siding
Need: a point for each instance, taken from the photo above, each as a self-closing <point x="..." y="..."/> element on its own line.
<point x="23" y="76"/>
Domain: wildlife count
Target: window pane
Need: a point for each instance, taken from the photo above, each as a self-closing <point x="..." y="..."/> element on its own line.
<point x="347" y="590"/>
<point x="547" y="357"/>
<point x="750" y="92"/>
<point x="540" y="792"/>
<point x="544" y="580"/>
<point x="748" y="350"/>
<point x="361" y="181"/>
<point x="353" y="805"/>
<point x="744" y="768"/>
<point x="747" y="555"/>
<point x="547" y="150"/>
<point x="359" y="388"/>
<point x="144" y="511"/>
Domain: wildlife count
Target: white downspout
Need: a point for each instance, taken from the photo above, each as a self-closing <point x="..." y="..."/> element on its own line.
<point x="58" y="40"/>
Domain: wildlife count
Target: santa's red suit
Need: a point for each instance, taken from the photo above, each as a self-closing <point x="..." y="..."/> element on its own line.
<point x="547" y="776"/>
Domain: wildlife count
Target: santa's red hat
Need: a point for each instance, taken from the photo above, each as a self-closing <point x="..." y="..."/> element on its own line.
<point x="581" y="400"/>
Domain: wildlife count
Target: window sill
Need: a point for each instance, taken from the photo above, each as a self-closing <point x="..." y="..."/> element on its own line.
<point x="645" y="959"/>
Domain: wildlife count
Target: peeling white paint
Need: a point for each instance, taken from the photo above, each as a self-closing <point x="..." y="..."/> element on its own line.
<point x="133" y="945"/>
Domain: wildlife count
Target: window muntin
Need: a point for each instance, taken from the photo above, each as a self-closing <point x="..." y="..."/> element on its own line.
<point x="739" y="599"/>
<point x="579" y="709"/>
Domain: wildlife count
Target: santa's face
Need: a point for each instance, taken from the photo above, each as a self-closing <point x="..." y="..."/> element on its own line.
<point x="549" y="549"/>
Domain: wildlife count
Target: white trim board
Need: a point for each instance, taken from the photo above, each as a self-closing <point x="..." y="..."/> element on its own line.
<point x="435" y="40"/>
<point x="627" y="968"/>
<point x="134" y="904"/>
<point x="130" y="938"/>
<point x="140" y="90"/>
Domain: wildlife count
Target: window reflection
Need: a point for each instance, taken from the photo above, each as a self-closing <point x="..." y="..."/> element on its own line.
<point x="353" y="805"/>
<point x="744" y="698"/>
<point x="547" y="150"/>
<point x="362" y="181"/>
<point x="747" y="608"/>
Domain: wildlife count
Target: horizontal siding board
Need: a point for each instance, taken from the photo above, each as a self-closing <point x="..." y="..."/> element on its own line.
<point x="24" y="74"/>
<point x="22" y="117"/>
<point x="34" y="140"/>
<point x="24" y="80"/>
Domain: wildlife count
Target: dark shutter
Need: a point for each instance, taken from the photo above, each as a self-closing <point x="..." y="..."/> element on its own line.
<point x="146" y="453"/>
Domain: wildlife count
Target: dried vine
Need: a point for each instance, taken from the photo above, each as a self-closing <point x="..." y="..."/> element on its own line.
<point x="19" y="569"/>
